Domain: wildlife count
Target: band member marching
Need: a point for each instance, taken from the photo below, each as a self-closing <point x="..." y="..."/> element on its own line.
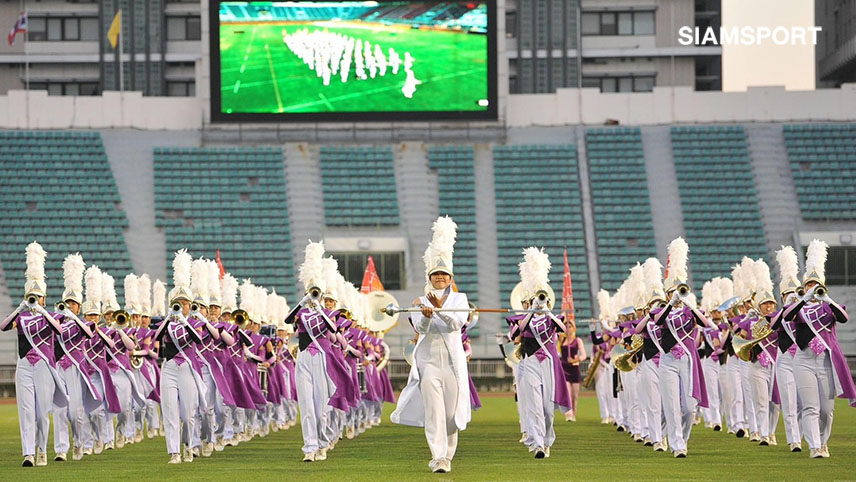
<point x="820" y="369"/>
<point x="788" y="285"/>
<point x="37" y="384"/>
<point x="437" y="393"/>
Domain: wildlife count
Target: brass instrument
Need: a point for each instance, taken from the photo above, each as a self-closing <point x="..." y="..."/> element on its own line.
<point x="541" y="297"/>
<point x="122" y="319"/>
<point x="820" y="291"/>
<point x="800" y="291"/>
<point x="32" y="300"/>
<point x="241" y="318"/>
<point x="136" y="361"/>
<point x="743" y="348"/>
<point x="588" y="381"/>
<point x="293" y="347"/>
<point x="625" y="361"/>
<point x="315" y="293"/>
<point x="385" y="358"/>
<point x="176" y="307"/>
<point x="194" y="307"/>
<point x="683" y="289"/>
<point x="60" y="306"/>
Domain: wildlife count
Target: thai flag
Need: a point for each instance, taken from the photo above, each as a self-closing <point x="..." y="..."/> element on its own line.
<point x="20" y="27"/>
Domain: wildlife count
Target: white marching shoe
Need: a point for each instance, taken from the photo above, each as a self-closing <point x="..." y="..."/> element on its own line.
<point x="28" y="461"/>
<point x="186" y="454"/>
<point x="77" y="453"/>
<point x="41" y="459"/>
<point x="310" y="457"/>
<point x="174" y="459"/>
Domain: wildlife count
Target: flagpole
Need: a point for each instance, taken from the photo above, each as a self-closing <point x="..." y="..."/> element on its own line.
<point x="26" y="64"/>
<point x="121" y="68"/>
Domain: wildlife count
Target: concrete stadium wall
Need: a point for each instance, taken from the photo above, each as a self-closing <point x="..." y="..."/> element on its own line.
<point x="665" y="105"/>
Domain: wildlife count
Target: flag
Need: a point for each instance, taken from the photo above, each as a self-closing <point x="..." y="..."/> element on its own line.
<point x="567" y="293"/>
<point x="220" y="265"/>
<point x="668" y="262"/>
<point x="19" y="27"/>
<point x="371" y="282"/>
<point x="115" y="29"/>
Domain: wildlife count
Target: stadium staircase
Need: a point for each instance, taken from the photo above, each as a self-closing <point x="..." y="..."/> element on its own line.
<point x="227" y="199"/>
<point x="58" y="189"/>
<point x="488" y="271"/>
<point x="540" y="183"/>
<point x="776" y="195"/>
<point x="622" y="211"/>
<point x="663" y="182"/>
<point x="305" y="199"/>
<point x="823" y="163"/>
<point x="718" y="199"/>
<point x="348" y="199"/>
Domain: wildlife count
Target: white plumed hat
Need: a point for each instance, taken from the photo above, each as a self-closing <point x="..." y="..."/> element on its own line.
<point x="199" y="281"/>
<point x="108" y="293"/>
<point x="144" y="290"/>
<point x="132" y="296"/>
<point x="72" y="277"/>
<point x="215" y="297"/>
<point x="604" y="305"/>
<point x="248" y="294"/>
<point x="763" y="283"/>
<point x="788" y="270"/>
<point x="229" y="288"/>
<point x="653" y="272"/>
<point x="35" y="274"/>
<point x="311" y="272"/>
<point x="815" y="262"/>
<point x="94" y="291"/>
<point x="181" y="276"/>
<point x="438" y="255"/>
<point x="535" y="271"/>
<point x="678" y="258"/>
<point x="330" y="272"/>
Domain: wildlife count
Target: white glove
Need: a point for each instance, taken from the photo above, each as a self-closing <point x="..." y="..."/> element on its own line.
<point x="674" y="300"/>
<point x="305" y="300"/>
<point x="808" y="294"/>
<point x="23" y="306"/>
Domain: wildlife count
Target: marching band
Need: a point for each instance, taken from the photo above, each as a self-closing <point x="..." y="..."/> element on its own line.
<point x="205" y="373"/>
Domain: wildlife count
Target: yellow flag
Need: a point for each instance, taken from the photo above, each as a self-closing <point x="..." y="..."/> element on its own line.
<point x="115" y="29"/>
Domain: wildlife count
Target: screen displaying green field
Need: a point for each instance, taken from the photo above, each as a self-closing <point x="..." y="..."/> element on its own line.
<point x="328" y="57"/>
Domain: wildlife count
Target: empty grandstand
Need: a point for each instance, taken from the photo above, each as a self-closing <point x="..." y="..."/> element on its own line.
<point x="231" y="201"/>
<point x="57" y="189"/>
<point x="348" y="199"/>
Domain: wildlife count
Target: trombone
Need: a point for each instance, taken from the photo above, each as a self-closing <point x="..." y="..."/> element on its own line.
<point x="241" y="318"/>
<point x="121" y="319"/>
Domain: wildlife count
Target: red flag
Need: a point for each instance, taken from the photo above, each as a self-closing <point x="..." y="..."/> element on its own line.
<point x="371" y="282"/>
<point x="668" y="262"/>
<point x="568" y="293"/>
<point x="220" y="265"/>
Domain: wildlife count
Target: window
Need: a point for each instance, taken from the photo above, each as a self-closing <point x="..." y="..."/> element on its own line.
<point x="510" y="23"/>
<point x="627" y="83"/>
<point x="67" y="88"/>
<point x="618" y="23"/>
<point x="183" y="28"/>
<point x="841" y="266"/>
<point x="183" y="88"/>
<point x="55" y="29"/>
<point x="389" y="266"/>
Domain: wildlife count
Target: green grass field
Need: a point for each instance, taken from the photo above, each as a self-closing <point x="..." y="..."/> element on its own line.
<point x="487" y="450"/>
<point x="451" y="66"/>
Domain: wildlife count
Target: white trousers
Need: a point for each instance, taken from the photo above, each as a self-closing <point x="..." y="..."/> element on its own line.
<point x="788" y="395"/>
<point x="34" y="389"/>
<point x="746" y="386"/>
<point x="649" y="398"/>
<point x="101" y="424"/>
<point x="208" y="414"/>
<point x="179" y="404"/>
<point x="515" y="371"/>
<point x="75" y="413"/>
<point x="736" y="414"/>
<point x="711" y="376"/>
<point x="538" y="389"/>
<point x="766" y="412"/>
<point x="603" y="388"/>
<point x="125" y="423"/>
<point x="675" y="394"/>
<point x="816" y="394"/>
<point x="312" y="397"/>
<point x="439" y="389"/>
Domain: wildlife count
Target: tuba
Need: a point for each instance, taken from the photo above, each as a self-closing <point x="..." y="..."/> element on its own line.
<point x="241" y="318"/>
<point x="122" y="319"/>
<point x="625" y="361"/>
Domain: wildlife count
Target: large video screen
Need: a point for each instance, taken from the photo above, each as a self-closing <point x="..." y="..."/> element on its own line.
<point x="353" y="60"/>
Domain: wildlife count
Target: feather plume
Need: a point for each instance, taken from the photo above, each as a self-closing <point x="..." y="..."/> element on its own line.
<point x="159" y="298"/>
<point x="229" y="288"/>
<point x="442" y="245"/>
<point x="311" y="272"/>
<point x="35" y="262"/>
<point x="273" y="307"/>
<point x="94" y="291"/>
<point x="738" y="284"/>
<point x="181" y="269"/>
<point x="653" y="272"/>
<point x="144" y="292"/>
<point x="330" y="272"/>
<point x="708" y="301"/>
<point x="636" y="283"/>
<point x="788" y="264"/>
<point x="132" y="300"/>
<point x="747" y="273"/>
<point x="247" y="293"/>
<point x="108" y="290"/>
<point x="72" y="273"/>
<point x="815" y="258"/>
<point x="261" y="298"/>
<point x="761" y="274"/>
<point x="725" y="289"/>
<point x="213" y="278"/>
<point x="535" y="270"/>
<point x="603" y="304"/>
<point x="199" y="278"/>
<point x="678" y="257"/>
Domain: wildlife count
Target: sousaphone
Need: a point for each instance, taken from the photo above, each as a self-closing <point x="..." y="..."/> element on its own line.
<point x="376" y="319"/>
